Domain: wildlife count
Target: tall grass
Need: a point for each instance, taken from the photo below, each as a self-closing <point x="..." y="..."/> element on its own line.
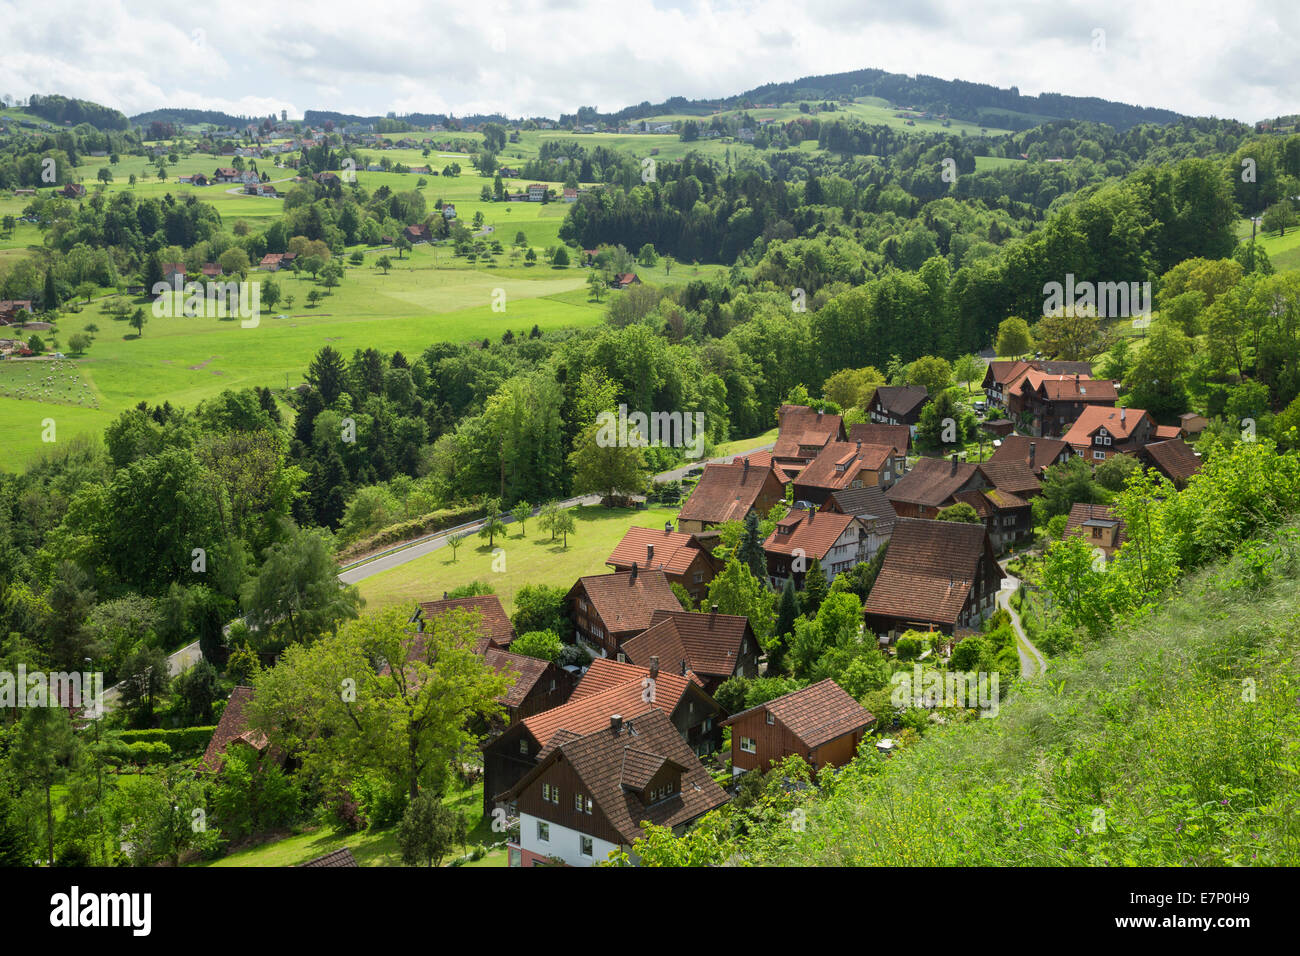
<point x="1172" y="742"/>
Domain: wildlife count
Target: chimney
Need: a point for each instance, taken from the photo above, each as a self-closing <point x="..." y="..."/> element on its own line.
<point x="649" y="554"/>
<point x="668" y="527"/>
<point x="444" y="595"/>
<point x="633" y="570"/>
<point x="954" y="463"/>
<point x="713" y="609"/>
<point x="1033" y="447"/>
<point x="615" y="722"/>
<point x="745" y="473"/>
<point x="654" y="668"/>
<point x="1123" y="415"/>
<point x="682" y="667"/>
<point x="859" y="447"/>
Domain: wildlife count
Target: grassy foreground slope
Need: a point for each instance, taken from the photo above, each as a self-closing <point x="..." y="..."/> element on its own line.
<point x="1174" y="742"/>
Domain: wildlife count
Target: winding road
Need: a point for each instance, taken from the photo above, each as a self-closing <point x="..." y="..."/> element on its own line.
<point x="1032" y="662"/>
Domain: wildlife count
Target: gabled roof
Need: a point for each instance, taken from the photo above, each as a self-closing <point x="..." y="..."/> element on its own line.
<point x="816" y="714"/>
<point x="528" y="669"/>
<point x="1077" y="388"/>
<point x="673" y="550"/>
<point x="1085" y="515"/>
<point x="341" y="857"/>
<point x="1011" y="476"/>
<point x="900" y="400"/>
<point x="1119" y="422"/>
<point x="232" y="726"/>
<point x="808" y="426"/>
<point x="708" y="642"/>
<point x="625" y="600"/>
<point x="812" y="532"/>
<point x="1016" y="448"/>
<point x="932" y="481"/>
<point x="839" y="463"/>
<point x="870" y="433"/>
<point x="724" y="493"/>
<point x="601" y="760"/>
<point x="867" y="502"/>
<point x="1174" y="458"/>
<point x="1167" y="432"/>
<point x="929" y="570"/>
<point x="495" y="629"/>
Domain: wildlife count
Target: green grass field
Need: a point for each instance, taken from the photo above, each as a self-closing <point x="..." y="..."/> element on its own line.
<point x="533" y="559"/>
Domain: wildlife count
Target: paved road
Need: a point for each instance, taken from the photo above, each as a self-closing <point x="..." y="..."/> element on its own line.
<point x="434" y="543"/>
<point x="1032" y="662"/>
<point x="177" y="663"/>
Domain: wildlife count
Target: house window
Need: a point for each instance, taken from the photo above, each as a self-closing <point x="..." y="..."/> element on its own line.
<point x="707" y="725"/>
<point x="587" y="849"/>
<point x="551" y="793"/>
<point x="543" y="831"/>
<point x="747" y="745"/>
<point x="582" y="605"/>
<point x="552" y="683"/>
<point x="699" y="577"/>
<point x="597" y="632"/>
<point x="1099" y="455"/>
<point x="770" y="719"/>
<point x="523" y="747"/>
<point x="577" y="802"/>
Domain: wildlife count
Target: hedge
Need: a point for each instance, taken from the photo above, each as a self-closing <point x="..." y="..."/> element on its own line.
<point x="403" y="531"/>
<point x="184" y="741"/>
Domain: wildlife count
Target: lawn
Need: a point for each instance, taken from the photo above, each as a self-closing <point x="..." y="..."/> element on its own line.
<point x="378" y="848"/>
<point x="741" y="445"/>
<point x="533" y="559"/>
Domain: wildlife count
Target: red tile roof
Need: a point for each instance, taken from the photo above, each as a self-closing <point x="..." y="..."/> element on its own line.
<point x="1083" y="514"/>
<point x="1120" y="422"/>
<point x="1011" y="476"/>
<point x="869" y="433"/>
<point x="928" y="570"/>
<point x="495" y="628"/>
<point x="839" y="463"/>
<point x="816" y="714"/>
<point x="615" y="767"/>
<point x="1016" y="448"/>
<point x="813" y="532"/>
<point x="673" y="550"/>
<point x="710" y="643"/>
<point x="624" y="601"/>
<point x="528" y="671"/>
<point x="232" y="726"/>
<point x="1174" y="458"/>
<point x="724" y="493"/>
<point x="932" y="482"/>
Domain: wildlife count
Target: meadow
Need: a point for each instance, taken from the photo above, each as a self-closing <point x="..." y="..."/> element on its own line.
<point x="531" y="558"/>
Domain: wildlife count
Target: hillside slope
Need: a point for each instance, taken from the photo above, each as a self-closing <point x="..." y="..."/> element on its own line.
<point x="1173" y="742"/>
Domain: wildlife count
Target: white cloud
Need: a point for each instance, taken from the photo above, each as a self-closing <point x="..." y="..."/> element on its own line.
<point x="550" y="56"/>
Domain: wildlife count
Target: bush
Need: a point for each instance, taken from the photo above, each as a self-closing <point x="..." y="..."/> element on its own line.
<point x="544" y="645"/>
<point x="403" y="531"/>
<point x="908" y="648"/>
<point x="184" y="742"/>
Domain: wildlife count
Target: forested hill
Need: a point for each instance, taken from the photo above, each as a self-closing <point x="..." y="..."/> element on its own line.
<point x="976" y="102"/>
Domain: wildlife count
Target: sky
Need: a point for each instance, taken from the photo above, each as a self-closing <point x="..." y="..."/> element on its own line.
<point x="545" y="57"/>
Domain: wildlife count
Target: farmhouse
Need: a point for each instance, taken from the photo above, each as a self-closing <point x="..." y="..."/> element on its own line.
<point x="73" y="191"/>
<point x="820" y="723"/>
<point x="1002" y="379"/>
<point x="536" y="192"/>
<point x="448" y="210"/>
<point x="869" y="504"/>
<point x="625" y="279"/>
<point x="608" y="609"/>
<point x="937" y="575"/>
<point x="844" y="464"/>
<point x="417" y="233"/>
<point x="1174" y="459"/>
<point x="897" y="405"/>
<point x="837" y="541"/>
<point x="590" y="794"/>
<point x="801" y="434"/>
<point x="1099" y="433"/>
<point x="710" y="646"/>
<point x="225" y="174"/>
<point x="678" y="555"/>
<point x="729" y="493"/>
<point x="538" y="685"/>
<point x="998" y="492"/>
<point x="9" y="309"/>
<point x="1050" y="403"/>
<point x="608" y="687"/>
<point x="1037" y="454"/>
